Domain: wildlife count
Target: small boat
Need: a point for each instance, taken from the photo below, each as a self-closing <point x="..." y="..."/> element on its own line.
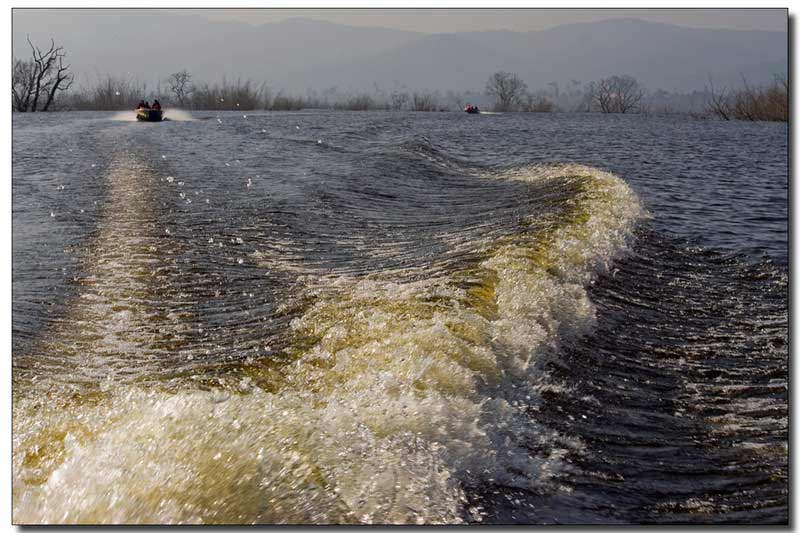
<point x="149" y="115"/>
<point x="472" y="109"/>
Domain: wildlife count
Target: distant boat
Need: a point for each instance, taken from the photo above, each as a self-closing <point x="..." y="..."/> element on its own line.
<point x="472" y="109"/>
<point x="150" y="115"/>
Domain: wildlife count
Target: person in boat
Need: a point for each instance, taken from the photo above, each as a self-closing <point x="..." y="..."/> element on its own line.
<point x="156" y="105"/>
<point x="146" y="104"/>
<point x="140" y="105"/>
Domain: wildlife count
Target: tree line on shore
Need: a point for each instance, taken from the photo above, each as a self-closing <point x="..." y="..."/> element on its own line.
<point x="44" y="83"/>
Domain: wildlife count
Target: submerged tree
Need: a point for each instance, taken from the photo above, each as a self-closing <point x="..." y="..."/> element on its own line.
<point x="769" y="102"/>
<point x="508" y="90"/>
<point x="23" y="80"/>
<point x="36" y="81"/>
<point x="115" y="92"/>
<point x="423" y="102"/>
<point x="180" y="83"/>
<point x="399" y="100"/>
<point x="538" y="103"/>
<point x="618" y="94"/>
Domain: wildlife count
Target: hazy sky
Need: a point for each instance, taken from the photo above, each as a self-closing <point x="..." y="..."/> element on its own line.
<point x="450" y="20"/>
<point x="321" y="55"/>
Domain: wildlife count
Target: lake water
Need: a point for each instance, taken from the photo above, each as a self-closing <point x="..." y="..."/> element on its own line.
<point x="332" y="317"/>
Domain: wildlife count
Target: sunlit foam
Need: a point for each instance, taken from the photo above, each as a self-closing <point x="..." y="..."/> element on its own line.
<point x="125" y="116"/>
<point x="178" y="115"/>
<point x="399" y="397"/>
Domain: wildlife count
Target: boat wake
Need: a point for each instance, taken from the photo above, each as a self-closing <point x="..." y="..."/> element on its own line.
<point x="390" y="402"/>
<point x="446" y="344"/>
<point x="178" y="115"/>
<point x="124" y="116"/>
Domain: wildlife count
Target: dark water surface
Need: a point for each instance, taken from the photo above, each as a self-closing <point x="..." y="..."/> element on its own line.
<point x="323" y="317"/>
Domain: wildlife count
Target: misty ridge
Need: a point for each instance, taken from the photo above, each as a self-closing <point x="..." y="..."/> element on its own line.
<point x="117" y="57"/>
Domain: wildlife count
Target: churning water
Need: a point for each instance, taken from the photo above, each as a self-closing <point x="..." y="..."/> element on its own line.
<point x="399" y="318"/>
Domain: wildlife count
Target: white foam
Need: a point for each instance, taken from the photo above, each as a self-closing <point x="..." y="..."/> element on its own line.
<point x="399" y="397"/>
<point x="125" y="116"/>
<point x="178" y="115"/>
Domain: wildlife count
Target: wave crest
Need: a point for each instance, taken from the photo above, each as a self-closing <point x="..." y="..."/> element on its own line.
<point x="398" y="398"/>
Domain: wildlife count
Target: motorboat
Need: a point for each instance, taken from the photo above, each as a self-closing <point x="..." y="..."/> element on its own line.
<point x="149" y="115"/>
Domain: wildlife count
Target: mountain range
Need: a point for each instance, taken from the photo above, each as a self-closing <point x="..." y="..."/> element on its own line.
<point x="300" y="53"/>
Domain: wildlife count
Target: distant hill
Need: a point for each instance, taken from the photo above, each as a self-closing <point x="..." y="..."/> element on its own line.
<point x="303" y="53"/>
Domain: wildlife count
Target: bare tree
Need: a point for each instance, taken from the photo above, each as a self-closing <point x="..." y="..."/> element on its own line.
<point x="589" y="96"/>
<point x="718" y="103"/>
<point x="115" y="92"/>
<point x="40" y="78"/>
<point x="539" y="103"/>
<point x="266" y="94"/>
<point x="556" y="92"/>
<point x="770" y="102"/>
<point x="180" y="83"/>
<point x="399" y="100"/>
<point x="23" y="81"/>
<point x="508" y="90"/>
<point x="61" y="81"/>
<point x="423" y="102"/>
<point x="618" y="94"/>
<point x="238" y="95"/>
<point x="358" y="102"/>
